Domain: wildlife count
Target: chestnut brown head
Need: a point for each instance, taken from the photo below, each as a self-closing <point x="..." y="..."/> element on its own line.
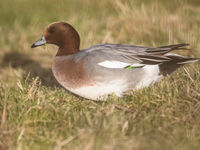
<point x="61" y="34"/>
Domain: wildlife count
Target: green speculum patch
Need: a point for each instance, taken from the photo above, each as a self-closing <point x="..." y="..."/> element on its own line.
<point x="129" y="67"/>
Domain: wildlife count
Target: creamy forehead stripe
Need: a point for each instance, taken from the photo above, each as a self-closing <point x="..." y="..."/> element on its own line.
<point x="118" y="64"/>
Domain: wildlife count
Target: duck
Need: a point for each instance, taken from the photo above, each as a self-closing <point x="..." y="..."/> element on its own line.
<point x="102" y="70"/>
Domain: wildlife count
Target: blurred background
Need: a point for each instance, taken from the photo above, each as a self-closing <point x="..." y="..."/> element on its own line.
<point x="38" y="115"/>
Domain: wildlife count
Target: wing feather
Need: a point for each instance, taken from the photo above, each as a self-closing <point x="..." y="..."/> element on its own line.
<point x="132" y="54"/>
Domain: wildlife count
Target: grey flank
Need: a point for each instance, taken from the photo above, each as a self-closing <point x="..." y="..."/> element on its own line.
<point x="168" y="62"/>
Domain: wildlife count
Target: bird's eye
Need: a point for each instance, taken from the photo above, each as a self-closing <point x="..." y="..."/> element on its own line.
<point x="52" y="29"/>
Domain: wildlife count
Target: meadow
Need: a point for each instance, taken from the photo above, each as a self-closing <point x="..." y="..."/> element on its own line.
<point x="36" y="113"/>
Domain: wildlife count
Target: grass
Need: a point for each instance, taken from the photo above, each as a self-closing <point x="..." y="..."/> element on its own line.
<point x="37" y="114"/>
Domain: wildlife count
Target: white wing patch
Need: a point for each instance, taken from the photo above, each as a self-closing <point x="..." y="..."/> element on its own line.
<point x="118" y="64"/>
<point x="113" y="64"/>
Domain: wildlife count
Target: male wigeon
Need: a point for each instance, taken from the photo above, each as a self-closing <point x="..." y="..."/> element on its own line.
<point x="107" y="68"/>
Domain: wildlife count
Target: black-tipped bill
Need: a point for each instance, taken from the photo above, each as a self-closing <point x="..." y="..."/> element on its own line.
<point x="40" y="42"/>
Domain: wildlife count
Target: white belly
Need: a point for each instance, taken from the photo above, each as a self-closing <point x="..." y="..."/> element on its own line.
<point x="101" y="90"/>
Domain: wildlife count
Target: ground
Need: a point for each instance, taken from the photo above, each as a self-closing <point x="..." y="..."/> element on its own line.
<point x="37" y="113"/>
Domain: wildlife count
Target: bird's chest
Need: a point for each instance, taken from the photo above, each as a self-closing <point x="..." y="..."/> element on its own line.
<point x="70" y="74"/>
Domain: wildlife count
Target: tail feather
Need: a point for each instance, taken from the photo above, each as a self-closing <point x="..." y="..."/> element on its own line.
<point x="188" y="60"/>
<point x="168" y="62"/>
<point x="175" y="45"/>
<point x="166" y="49"/>
<point x="178" y="59"/>
<point x="175" y="62"/>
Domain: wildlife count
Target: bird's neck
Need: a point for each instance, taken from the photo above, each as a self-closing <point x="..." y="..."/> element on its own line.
<point x="65" y="50"/>
<point x="69" y="45"/>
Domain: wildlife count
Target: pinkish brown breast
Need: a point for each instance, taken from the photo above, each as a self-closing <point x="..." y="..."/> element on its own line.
<point x="70" y="74"/>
